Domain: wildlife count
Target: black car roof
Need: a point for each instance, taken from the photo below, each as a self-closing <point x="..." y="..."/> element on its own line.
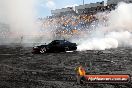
<point x="59" y="40"/>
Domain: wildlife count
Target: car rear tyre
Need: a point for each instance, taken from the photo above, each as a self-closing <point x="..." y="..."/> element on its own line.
<point x="42" y="50"/>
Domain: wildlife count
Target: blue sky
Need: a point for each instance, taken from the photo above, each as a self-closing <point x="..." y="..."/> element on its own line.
<point x="44" y="7"/>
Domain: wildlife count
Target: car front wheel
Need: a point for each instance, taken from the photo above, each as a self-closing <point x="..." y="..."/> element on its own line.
<point x="42" y="50"/>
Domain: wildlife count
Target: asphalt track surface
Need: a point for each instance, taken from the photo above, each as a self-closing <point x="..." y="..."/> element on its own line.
<point x="19" y="68"/>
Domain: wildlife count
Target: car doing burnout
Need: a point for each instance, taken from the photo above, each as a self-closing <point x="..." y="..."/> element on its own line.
<point x="55" y="46"/>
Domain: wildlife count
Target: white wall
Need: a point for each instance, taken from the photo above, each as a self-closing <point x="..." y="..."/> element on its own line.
<point x="58" y="11"/>
<point x="89" y="5"/>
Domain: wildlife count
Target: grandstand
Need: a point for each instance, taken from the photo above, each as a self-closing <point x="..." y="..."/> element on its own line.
<point x="69" y="21"/>
<point x="115" y="2"/>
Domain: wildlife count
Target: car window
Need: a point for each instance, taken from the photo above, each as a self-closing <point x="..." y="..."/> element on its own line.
<point x="66" y="42"/>
<point x="55" y="42"/>
<point x="61" y="42"/>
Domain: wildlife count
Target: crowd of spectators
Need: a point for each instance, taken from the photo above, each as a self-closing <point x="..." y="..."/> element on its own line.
<point x="73" y="24"/>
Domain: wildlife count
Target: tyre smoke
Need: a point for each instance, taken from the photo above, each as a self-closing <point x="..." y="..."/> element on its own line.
<point x="18" y="21"/>
<point x="111" y="33"/>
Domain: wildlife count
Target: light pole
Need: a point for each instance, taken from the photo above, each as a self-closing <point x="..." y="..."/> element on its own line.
<point x="83" y="2"/>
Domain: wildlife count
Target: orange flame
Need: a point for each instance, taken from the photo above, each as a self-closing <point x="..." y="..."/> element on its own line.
<point x="81" y="71"/>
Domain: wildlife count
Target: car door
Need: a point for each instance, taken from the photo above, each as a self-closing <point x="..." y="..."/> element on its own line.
<point x="54" y="46"/>
<point x="57" y="46"/>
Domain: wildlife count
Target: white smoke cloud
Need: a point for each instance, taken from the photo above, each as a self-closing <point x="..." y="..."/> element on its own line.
<point x="113" y="33"/>
<point x="20" y="17"/>
<point x="98" y="44"/>
<point x="50" y="4"/>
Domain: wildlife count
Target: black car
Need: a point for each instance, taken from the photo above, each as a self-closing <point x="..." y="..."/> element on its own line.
<point x="55" y="46"/>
